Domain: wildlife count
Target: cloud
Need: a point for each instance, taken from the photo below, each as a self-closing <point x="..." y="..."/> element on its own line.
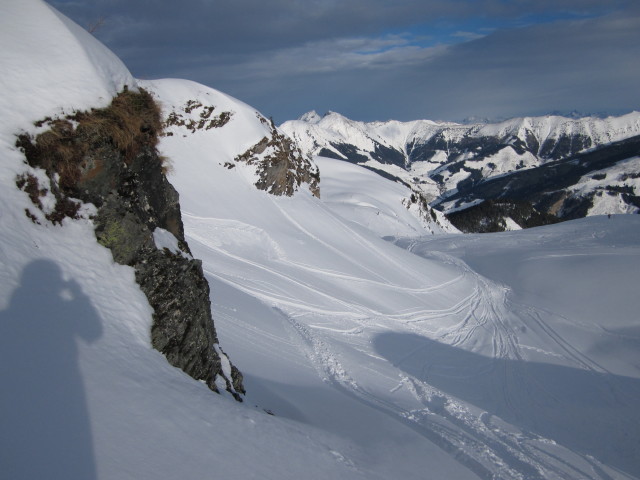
<point x="468" y="35"/>
<point x="242" y="26"/>
<point x="380" y="59"/>
<point x="336" y="55"/>
<point x="588" y="65"/>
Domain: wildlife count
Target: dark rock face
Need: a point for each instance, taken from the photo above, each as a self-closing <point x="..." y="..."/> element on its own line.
<point x="564" y="146"/>
<point x="425" y="212"/>
<point x="188" y="345"/>
<point x="133" y="198"/>
<point x="390" y="155"/>
<point x="478" y="148"/>
<point x="381" y="153"/>
<point x="490" y="216"/>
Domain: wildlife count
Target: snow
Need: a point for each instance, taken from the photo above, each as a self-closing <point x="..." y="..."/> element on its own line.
<point x="53" y="69"/>
<point x="505" y="161"/>
<point x="311" y="117"/>
<point x="606" y="201"/>
<point x="364" y="197"/>
<point x="427" y="186"/>
<point x="165" y="239"/>
<point x="314" y="134"/>
<point x="511" y="355"/>
<point x="83" y="393"/>
<point x="345" y="310"/>
<point x="511" y="224"/>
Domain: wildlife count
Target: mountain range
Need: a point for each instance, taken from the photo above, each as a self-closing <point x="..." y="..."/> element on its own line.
<point x="564" y="167"/>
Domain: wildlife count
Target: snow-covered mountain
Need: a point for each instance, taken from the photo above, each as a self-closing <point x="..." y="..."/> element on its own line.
<point x="447" y="161"/>
<point x="373" y="345"/>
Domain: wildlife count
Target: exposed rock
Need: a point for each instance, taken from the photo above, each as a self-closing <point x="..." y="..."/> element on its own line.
<point x="281" y="166"/>
<point x="550" y="187"/>
<point x="109" y="159"/>
<point x="206" y="120"/>
<point x="426" y="214"/>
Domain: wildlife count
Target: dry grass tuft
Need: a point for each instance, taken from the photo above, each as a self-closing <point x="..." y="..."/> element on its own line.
<point x="70" y="149"/>
<point x="131" y="123"/>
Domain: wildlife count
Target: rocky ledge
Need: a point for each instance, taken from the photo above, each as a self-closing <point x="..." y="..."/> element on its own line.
<point x="280" y="165"/>
<point x="107" y="157"/>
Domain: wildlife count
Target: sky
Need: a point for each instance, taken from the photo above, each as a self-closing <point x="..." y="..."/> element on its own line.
<point x="385" y="59"/>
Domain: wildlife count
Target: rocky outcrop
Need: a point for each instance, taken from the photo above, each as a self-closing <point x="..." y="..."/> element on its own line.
<point x="280" y="165"/>
<point x="205" y="119"/>
<point x="108" y="158"/>
<point x="429" y="217"/>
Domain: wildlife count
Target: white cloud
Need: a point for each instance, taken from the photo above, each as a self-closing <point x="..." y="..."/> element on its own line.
<point x="326" y="56"/>
<point x="468" y="35"/>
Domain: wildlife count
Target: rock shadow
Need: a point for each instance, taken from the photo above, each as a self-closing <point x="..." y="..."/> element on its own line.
<point x="590" y="412"/>
<point x="44" y="418"/>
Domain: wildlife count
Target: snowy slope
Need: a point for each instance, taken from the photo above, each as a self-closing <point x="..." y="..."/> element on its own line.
<point x="454" y="356"/>
<point x="610" y="186"/>
<point x="62" y="66"/>
<point x="383" y="207"/>
<point x="83" y="394"/>
<point x="333" y="326"/>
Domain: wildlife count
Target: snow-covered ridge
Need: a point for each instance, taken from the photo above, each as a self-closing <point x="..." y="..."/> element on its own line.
<point x="226" y="131"/>
<point x="446" y="161"/>
<point x="314" y="133"/>
<point x="84" y="395"/>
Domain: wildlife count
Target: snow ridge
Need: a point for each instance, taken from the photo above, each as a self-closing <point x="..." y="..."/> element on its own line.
<point x="314" y="133"/>
<point x="446" y="161"/>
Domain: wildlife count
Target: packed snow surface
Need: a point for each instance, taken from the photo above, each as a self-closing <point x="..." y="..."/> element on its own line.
<point x="512" y="355"/>
<point x="381" y="206"/>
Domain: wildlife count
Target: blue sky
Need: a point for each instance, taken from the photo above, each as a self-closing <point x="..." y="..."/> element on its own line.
<point x="385" y="59"/>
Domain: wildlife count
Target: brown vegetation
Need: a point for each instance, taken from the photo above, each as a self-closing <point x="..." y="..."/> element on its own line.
<point x="69" y="151"/>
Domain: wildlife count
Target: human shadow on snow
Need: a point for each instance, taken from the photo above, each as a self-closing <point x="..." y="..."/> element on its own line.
<point x="44" y="418"/>
<point x="586" y="411"/>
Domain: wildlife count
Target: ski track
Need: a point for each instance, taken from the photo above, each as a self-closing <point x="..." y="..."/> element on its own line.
<point x="474" y="439"/>
<point x="496" y="453"/>
<point x="339" y="225"/>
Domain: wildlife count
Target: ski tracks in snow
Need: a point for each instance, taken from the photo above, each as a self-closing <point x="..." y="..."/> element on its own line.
<point x="338" y="334"/>
<point x="484" y="443"/>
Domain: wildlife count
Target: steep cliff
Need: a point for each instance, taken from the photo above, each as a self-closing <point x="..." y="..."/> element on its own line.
<point x="107" y="157"/>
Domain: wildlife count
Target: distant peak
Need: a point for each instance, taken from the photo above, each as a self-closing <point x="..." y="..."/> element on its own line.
<point x="473" y="119"/>
<point x="311" y="117"/>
